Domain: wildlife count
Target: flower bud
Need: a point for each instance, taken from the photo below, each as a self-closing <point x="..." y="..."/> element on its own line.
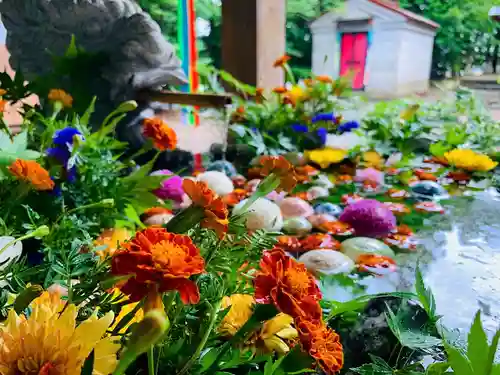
<point x="41" y="231"/>
<point x="109" y="202"/>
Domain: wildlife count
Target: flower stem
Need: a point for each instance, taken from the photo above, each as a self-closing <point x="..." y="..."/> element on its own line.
<point x="203" y="342"/>
<point x="151" y="361"/>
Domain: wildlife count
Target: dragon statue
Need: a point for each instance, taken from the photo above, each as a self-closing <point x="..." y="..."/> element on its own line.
<point x="130" y="53"/>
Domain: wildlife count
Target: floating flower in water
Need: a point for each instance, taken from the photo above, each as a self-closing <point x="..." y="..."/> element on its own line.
<point x="470" y="160"/>
<point x="401" y="240"/>
<point x="317" y="220"/>
<point x="272" y="337"/>
<point x="171" y="187"/>
<point x="425" y="176"/>
<point x="369" y="218"/>
<point x="287" y="284"/>
<point x="322" y="344"/>
<point x="429" y="207"/>
<point x="282" y="168"/>
<point x="281" y="61"/>
<point x="163" y="137"/>
<point x="326" y="117"/>
<point x="110" y="240"/>
<point x="350" y="198"/>
<point x="288" y="243"/>
<point x="215" y="210"/>
<point x="326" y="156"/>
<point x="459" y="176"/>
<point x="404" y="229"/>
<point x="32" y="172"/>
<point x="239" y="181"/>
<point x="370" y="175"/>
<point x="336" y="228"/>
<point x="397" y="208"/>
<point x="61" y="96"/>
<point x="50" y="342"/>
<point x="159" y="261"/>
<point x="348" y="126"/>
<point x="398" y="193"/>
<point x="344" y="179"/>
<point x="319" y="241"/>
<point x="376" y="264"/>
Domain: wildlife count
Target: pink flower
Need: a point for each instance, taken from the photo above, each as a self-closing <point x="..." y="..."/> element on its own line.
<point x="171" y="188"/>
<point x="369" y="174"/>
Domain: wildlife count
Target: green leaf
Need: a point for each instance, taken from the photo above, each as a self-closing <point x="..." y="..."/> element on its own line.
<point x="371" y="369"/>
<point x="297" y="361"/>
<point x="72" y="50"/>
<point x="418" y="340"/>
<point x="458" y="361"/>
<point x="24" y="298"/>
<point x="437" y="368"/>
<point x="438" y="149"/>
<point x="425" y="295"/>
<point x="477" y="346"/>
<point x="88" y="366"/>
<point x="85" y="119"/>
<point x="492" y="353"/>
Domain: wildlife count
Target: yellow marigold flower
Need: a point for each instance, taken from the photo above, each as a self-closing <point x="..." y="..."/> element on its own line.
<point x="373" y="159"/>
<point x="297" y="94"/>
<point x="125" y="310"/>
<point x="59" y="95"/>
<point x="326" y="156"/>
<point x="110" y="240"/>
<point x="470" y="160"/>
<point x="274" y="333"/>
<point x="49" y="342"/>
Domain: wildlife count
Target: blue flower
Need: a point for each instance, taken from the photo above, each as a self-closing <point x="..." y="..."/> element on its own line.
<point x="348" y="126"/>
<point x="63" y="140"/>
<point x="299" y="128"/>
<point x="65" y="137"/>
<point x="327" y="117"/>
<point x="322" y="133"/>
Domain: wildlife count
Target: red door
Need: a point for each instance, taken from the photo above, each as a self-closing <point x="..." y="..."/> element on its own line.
<point x="353" y="49"/>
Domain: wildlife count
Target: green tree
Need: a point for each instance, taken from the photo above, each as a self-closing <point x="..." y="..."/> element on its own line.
<point x="466" y="35"/>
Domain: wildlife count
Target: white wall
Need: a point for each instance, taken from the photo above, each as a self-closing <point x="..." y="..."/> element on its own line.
<point x="415" y="59"/>
<point x="381" y="77"/>
<point x="325" y="50"/>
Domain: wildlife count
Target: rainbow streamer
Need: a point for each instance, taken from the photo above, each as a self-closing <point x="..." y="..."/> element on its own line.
<point x="186" y="26"/>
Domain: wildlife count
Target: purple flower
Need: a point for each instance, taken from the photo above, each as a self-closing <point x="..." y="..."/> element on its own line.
<point x="327" y="117"/>
<point x="348" y="126"/>
<point x="171" y="188"/>
<point x="369" y="218"/>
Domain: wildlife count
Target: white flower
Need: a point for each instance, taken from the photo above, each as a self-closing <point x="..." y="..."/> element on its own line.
<point x="346" y="141"/>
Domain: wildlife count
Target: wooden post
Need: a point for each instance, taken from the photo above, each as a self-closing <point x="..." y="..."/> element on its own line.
<point x="253" y="37"/>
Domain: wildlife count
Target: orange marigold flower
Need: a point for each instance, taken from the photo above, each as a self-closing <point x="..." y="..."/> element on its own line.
<point x="319" y="241"/>
<point x="398" y="208"/>
<point x="426" y="176"/>
<point x="3" y="104"/>
<point x="404" y="229"/>
<point x="438" y="160"/>
<point x="324" y="79"/>
<point x="215" y="210"/>
<point x="280" y="167"/>
<point x="59" y="95"/>
<point x="336" y="228"/>
<point x="259" y="95"/>
<point x="367" y="261"/>
<point x="280" y="90"/>
<point x="235" y="197"/>
<point x="163" y="137"/>
<point x="159" y="261"/>
<point x="281" y="61"/>
<point x="32" y="172"/>
<point x="322" y="343"/>
<point x="287" y="284"/>
<point x="288" y="243"/>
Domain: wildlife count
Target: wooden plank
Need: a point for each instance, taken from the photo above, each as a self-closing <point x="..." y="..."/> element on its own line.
<point x="198" y="100"/>
<point x="253" y="37"/>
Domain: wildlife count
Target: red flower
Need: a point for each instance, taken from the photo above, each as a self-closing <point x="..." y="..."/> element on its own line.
<point x="161" y="261"/>
<point x="281" y="61"/>
<point x="426" y="176"/>
<point x="322" y="344"/>
<point x="286" y="283"/>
